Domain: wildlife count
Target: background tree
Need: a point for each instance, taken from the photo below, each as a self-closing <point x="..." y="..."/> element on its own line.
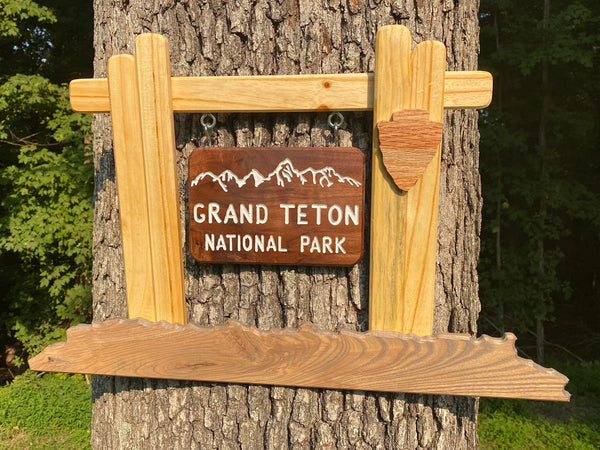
<point x="46" y="173"/>
<point x="540" y="168"/>
<point x="272" y="37"/>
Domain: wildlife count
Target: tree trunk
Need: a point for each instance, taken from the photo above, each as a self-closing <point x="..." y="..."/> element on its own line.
<point x="281" y="37"/>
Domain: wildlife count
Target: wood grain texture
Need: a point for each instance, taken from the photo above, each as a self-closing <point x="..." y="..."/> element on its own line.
<point x="133" y="204"/>
<point x="373" y="361"/>
<point x="388" y="202"/>
<point x="467" y="89"/>
<point x="404" y="224"/>
<point x="271" y="93"/>
<point x="428" y="63"/>
<point x="160" y="167"/>
<point x="408" y="143"/>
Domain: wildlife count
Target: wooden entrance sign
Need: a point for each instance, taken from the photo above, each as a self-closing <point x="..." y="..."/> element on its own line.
<point x="301" y="206"/>
<point x="141" y="97"/>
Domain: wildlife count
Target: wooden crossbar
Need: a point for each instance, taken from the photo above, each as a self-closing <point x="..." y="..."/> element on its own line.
<point x="276" y="93"/>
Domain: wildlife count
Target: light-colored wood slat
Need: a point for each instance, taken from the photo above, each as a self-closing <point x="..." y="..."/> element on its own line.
<point x="158" y="137"/>
<point x="420" y="235"/>
<point x="388" y="202"/>
<point x="333" y="92"/>
<point x="377" y="361"/>
<point x="467" y="89"/>
<point x="129" y="164"/>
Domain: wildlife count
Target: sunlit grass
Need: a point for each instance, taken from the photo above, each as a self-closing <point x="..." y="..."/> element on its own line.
<point x="52" y="411"/>
<point x="520" y="424"/>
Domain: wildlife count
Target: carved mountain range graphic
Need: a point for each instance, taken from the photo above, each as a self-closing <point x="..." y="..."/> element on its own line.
<point x="285" y="173"/>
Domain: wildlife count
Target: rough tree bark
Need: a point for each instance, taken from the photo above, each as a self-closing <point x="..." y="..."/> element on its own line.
<point x="286" y="37"/>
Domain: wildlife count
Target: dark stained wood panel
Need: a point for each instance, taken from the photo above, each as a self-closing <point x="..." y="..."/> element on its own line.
<point x="301" y="206"/>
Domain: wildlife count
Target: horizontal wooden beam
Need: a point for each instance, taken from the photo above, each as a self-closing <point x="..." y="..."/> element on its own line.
<point x="272" y="93"/>
<point x="375" y="361"/>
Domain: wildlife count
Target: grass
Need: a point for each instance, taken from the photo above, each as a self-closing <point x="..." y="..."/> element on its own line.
<point x="520" y="424"/>
<point x="48" y="412"/>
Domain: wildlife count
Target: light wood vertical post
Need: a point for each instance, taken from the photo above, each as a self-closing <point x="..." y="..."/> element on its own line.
<point x="158" y="137"/>
<point x="388" y="202"/>
<point x="404" y="224"/>
<point x="129" y="164"/>
<point x="420" y="235"/>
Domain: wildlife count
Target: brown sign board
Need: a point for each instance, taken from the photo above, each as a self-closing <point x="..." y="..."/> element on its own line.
<point x="299" y="206"/>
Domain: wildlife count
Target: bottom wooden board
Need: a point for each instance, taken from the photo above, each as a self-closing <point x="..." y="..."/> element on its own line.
<point x="375" y="361"/>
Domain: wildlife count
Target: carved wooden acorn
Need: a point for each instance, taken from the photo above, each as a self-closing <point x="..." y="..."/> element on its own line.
<point x="408" y="143"/>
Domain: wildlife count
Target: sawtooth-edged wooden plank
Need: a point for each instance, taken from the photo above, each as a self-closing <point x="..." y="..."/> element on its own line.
<point x="272" y="93"/>
<point x="129" y="163"/>
<point x="160" y="168"/>
<point x="375" y="361"/>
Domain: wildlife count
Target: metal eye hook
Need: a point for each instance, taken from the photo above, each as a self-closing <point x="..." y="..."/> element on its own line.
<point x="208" y="122"/>
<point x="335" y="120"/>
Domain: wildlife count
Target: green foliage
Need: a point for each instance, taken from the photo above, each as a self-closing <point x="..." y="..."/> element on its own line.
<point x="24" y="40"/>
<point x="46" y="173"/>
<point x="46" y="222"/>
<point x="584" y="378"/>
<point x="53" y="411"/>
<point x="15" y="14"/>
<point x="539" y="160"/>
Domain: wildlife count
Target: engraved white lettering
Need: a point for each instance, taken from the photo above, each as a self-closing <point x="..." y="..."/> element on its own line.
<point x="338" y="245"/>
<point x="235" y="214"/>
<point x="271" y="244"/>
<point x="262" y="214"/>
<point x="230" y="215"/>
<point x="259" y="243"/>
<point x="209" y="242"/>
<point x="318" y="208"/>
<point x="245" y="213"/>
<point x="350" y="215"/>
<point x="286" y="207"/>
<point x="213" y="212"/>
<point x="338" y="215"/>
<point x="198" y="216"/>
<point x="280" y="245"/>
<point x="304" y="241"/>
<point x="302" y="215"/>
<point x="327" y="244"/>
<point x="221" y="243"/>
<point x="314" y="245"/>
<point x="324" y="245"/>
<point x="247" y="242"/>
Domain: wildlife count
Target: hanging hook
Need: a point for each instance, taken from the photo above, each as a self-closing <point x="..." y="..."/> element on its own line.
<point x="208" y="122"/>
<point x="335" y="120"/>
